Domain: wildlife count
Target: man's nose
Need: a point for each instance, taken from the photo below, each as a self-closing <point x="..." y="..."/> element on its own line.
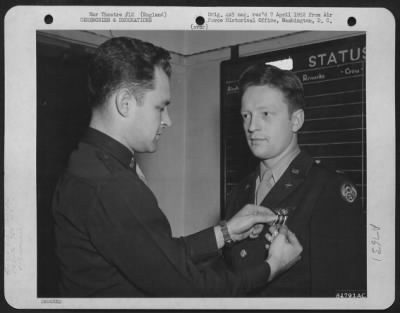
<point x="166" y="120"/>
<point x="253" y="124"/>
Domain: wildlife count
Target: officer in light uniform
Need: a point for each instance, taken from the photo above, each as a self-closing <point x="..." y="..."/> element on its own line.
<point x="321" y="207"/>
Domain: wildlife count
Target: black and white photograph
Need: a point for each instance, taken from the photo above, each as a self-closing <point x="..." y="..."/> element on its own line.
<point x="198" y="165"/>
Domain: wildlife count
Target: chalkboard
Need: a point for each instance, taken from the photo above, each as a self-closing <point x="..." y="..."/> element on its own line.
<point x="334" y="132"/>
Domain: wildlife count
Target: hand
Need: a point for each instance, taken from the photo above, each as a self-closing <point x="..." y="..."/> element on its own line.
<point x="273" y="231"/>
<point x="284" y="250"/>
<point x="249" y="221"/>
<point x="256" y="230"/>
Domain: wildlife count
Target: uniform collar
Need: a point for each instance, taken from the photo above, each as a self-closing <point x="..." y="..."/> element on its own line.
<point x="292" y="178"/>
<point x="110" y="146"/>
<point x="301" y="165"/>
<point x="281" y="165"/>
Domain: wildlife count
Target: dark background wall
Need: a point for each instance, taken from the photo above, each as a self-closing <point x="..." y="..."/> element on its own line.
<point x="62" y="116"/>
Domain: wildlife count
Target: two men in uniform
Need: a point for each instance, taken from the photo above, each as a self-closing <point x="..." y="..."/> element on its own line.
<point x="112" y="238"/>
<point x="114" y="241"/>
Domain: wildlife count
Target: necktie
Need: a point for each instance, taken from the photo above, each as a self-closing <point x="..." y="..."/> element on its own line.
<point x="265" y="185"/>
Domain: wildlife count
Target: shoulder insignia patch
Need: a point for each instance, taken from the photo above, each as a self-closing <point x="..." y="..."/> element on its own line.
<point x="348" y="192"/>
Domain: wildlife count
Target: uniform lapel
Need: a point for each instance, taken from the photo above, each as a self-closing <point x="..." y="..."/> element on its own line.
<point x="249" y="189"/>
<point x="291" y="179"/>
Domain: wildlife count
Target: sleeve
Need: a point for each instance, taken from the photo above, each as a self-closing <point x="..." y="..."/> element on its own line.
<point x="201" y="246"/>
<point x="130" y="232"/>
<point x="231" y="208"/>
<point x="339" y="241"/>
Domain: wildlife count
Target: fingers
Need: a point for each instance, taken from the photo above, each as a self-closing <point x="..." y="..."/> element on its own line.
<point x="283" y="230"/>
<point x="284" y="249"/>
<point x="248" y="209"/>
<point x="256" y="230"/>
<point x="292" y="238"/>
<point x="269" y="237"/>
<point x="248" y="222"/>
<point x="263" y="218"/>
<point x="272" y="233"/>
<point x="274" y="229"/>
<point x="279" y="232"/>
<point x="251" y="209"/>
<point x="243" y="235"/>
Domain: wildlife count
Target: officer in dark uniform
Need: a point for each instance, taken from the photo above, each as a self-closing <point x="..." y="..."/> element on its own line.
<point x="112" y="238"/>
<point x="321" y="207"/>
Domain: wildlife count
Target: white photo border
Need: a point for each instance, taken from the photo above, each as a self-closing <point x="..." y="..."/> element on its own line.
<point x="21" y="24"/>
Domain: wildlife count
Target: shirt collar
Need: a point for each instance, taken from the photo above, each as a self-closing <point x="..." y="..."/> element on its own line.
<point x="282" y="163"/>
<point x="110" y="145"/>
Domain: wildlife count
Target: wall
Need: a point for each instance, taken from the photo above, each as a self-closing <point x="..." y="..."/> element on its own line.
<point x="202" y="197"/>
<point x="165" y="169"/>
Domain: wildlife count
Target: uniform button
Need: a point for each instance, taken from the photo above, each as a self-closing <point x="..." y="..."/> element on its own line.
<point x="132" y="163"/>
<point x="243" y="253"/>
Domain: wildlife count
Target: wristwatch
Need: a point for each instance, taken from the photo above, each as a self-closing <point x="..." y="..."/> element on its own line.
<point x="225" y="233"/>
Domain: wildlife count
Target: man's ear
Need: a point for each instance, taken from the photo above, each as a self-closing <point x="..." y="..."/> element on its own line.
<point x="297" y="120"/>
<point x="124" y="100"/>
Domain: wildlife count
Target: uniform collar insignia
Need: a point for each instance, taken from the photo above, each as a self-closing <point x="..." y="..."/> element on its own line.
<point x="301" y="165"/>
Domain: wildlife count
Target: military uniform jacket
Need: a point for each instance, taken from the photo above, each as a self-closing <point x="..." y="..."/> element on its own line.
<point x="114" y="241"/>
<point x="326" y="215"/>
